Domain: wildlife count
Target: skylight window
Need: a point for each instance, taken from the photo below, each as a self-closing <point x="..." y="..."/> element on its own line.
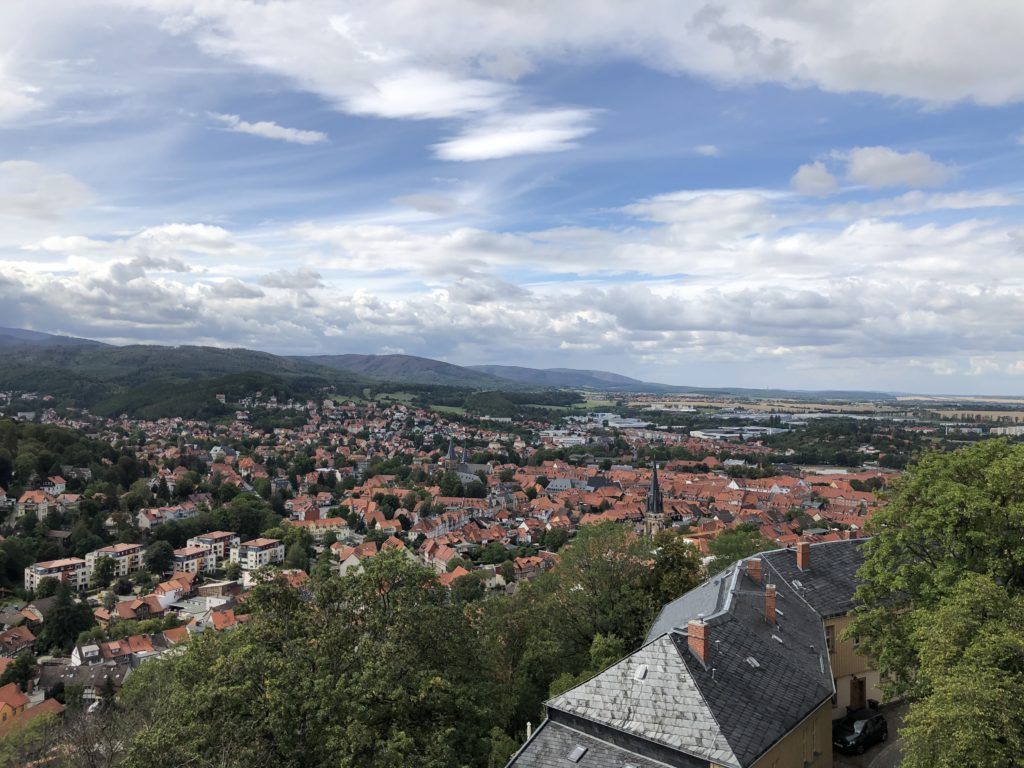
<point x="641" y="672"/>
<point x="577" y="753"/>
<point x="753" y="662"/>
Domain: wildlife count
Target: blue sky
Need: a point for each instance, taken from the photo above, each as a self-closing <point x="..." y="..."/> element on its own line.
<point x="763" y="193"/>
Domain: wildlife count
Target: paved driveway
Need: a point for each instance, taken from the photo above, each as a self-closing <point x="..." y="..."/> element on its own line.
<point x="884" y="755"/>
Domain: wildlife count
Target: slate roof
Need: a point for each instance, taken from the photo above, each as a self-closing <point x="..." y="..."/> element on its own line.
<point x="553" y="742"/>
<point x="705" y="600"/>
<point x="650" y="695"/>
<point x="828" y="585"/>
<point x="756" y="706"/>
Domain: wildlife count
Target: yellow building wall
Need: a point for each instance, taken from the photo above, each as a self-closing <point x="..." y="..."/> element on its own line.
<point x="849" y="665"/>
<point x="810" y="743"/>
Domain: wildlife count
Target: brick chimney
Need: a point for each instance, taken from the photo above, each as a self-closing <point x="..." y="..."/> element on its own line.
<point x="699" y="639"/>
<point x="754" y="569"/>
<point x="769" y="603"/>
<point x="803" y="555"/>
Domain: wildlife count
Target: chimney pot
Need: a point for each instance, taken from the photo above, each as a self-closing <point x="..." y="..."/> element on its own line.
<point x="803" y="555"/>
<point x="754" y="569"/>
<point x="769" y="603"/>
<point x="699" y="639"/>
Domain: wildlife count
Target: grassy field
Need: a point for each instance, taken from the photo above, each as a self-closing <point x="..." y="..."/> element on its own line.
<point x="395" y="397"/>
<point x="448" y="409"/>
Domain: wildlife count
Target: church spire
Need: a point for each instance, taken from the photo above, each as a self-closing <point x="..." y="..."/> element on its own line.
<point x="654" y="515"/>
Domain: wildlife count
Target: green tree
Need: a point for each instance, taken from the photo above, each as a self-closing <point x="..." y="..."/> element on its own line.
<point x="159" y="557"/>
<point x="268" y="692"/>
<point x="677" y="566"/>
<point x="468" y="588"/>
<point x="103" y="573"/>
<point x="47" y="587"/>
<point x="296" y="557"/>
<point x="735" y="544"/>
<point x="20" y="671"/>
<point x="232" y="571"/>
<point x="950" y="515"/>
<point x="969" y="692"/>
<point x="67" y="619"/>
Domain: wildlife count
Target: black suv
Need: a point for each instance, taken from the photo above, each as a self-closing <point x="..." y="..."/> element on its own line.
<point x="859" y="730"/>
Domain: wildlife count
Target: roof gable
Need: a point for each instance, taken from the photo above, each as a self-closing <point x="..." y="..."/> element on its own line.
<point x="651" y="694"/>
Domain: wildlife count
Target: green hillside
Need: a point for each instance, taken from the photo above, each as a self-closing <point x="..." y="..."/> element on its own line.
<point x="152" y="381"/>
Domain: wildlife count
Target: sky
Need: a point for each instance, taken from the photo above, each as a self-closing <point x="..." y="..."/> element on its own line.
<point x="759" y="193"/>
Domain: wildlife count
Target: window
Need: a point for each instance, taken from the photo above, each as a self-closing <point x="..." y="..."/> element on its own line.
<point x="577" y="753"/>
<point x="830" y="638"/>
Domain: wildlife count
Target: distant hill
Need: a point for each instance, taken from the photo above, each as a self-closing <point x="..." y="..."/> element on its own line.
<point x="565" y="377"/>
<point x="410" y="369"/>
<point x="153" y="381"/>
<point x="21" y="337"/>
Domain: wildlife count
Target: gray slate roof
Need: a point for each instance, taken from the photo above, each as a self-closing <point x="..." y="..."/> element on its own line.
<point x="649" y="694"/>
<point x="552" y="743"/>
<point x="705" y="600"/>
<point x="828" y="585"/>
<point x="757" y="706"/>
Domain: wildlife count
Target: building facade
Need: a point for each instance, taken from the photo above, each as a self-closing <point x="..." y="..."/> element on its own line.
<point x="258" y="553"/>
<point x="128" y="558"/>
<point x="73" y="571"/>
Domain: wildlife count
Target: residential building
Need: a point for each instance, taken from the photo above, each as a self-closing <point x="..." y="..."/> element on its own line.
<point x="12" y="702"/>
<point x="73" y="571"/>
<point x="37" y="502"/>
<point x="127" y="558"/>
<point x="218" y="543"/>
<point x="15" y="640"/>
<point x="193" y="559"/>
<point x="258" y="553"/>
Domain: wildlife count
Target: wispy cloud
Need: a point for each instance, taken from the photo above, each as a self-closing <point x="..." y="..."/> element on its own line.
<point x="522" y="134"/>
<point x="269" y="130"/>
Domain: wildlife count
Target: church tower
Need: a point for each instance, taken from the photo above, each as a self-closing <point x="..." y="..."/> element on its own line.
<point x="654" y="514"/>
<point x="451" y="460"/>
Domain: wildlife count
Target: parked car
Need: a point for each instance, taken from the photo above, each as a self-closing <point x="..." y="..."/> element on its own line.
<point x="859" y="730"/>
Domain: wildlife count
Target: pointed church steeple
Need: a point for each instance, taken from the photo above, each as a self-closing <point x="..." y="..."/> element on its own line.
<point x="654" y="514"/>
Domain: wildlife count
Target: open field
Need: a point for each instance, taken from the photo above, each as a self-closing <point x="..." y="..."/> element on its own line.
<point x="448" y="409"/>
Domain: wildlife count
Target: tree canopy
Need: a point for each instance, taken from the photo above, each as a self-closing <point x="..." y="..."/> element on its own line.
<point x="941" y="605"/>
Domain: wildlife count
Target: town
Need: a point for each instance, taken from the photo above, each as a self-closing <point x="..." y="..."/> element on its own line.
<point x="126" y="538"/>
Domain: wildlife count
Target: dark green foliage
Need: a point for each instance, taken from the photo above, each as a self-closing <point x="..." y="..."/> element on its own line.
<point x="68" y="618"/>
<point x="159" y="557"/>
<point x="941" y="604"/>
<point x="365" y="675"/>
<point x="736" y="543"/>
<point x="20" y="671"/>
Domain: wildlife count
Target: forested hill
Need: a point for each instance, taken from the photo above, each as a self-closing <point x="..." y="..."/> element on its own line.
<point x="153" y="381"/>
<point x="19" y="336"/>
<point x="410" y="369"/>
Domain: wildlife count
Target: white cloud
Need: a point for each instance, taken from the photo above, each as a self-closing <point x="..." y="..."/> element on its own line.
<point x="814" y="179"/>
<point x="523" y="134"/>
<point x="426" y="94"/>
<point x="708" y="150"/>
<point x="35" y="191"/>
<point x="16" y="98"/>
<point x="885" y="167"/>
<point x="269" y="130"/>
